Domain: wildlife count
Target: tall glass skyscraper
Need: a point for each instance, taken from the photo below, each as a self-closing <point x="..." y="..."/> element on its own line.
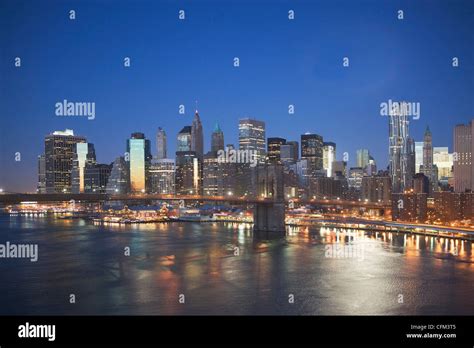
<point x="329" y="156"/>
<point x="118" y="182"/>
<point x="84" y="155"/>
<point x="399" y="149"/>
<point x="184" y="139"/>
<point x="418" y="156"/>
<point x="252" y="137"/>
<point x="138" y="149"/>
<point x="161" y="144"/>
<point x="362" y="158"/>
<point x="312" y="150"/>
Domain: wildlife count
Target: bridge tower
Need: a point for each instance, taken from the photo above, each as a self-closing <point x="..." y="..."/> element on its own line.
<point x="269" y="215"/>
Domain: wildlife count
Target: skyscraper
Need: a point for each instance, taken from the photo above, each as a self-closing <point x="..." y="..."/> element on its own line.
<point x="197" y="140"/>
<point x="84" y="155"/>
<point x="119" y="178"/>
<point x="289" y="153"/>
<point x="217" y="139"/>
<point x="274" y="149"/>
<point x="418" y="156"/>
<point x="184" y="139"/>
<point x="362" y="158"/>
<point x="41" y="188"/>
<point x="252" y="137"/>
<point x="188" y="178"/>
<point x="161" y="150"/>
<point x="398" y="149"/>
<point x="463" y="165"/>
<point x="59" y="151"/>
<point x="329" y="156"/>
<point x="162" y="176"/>
<point x="138" y="149"/>
<point x="427" y="168"/>
<point x="312" y="150"/>
<point x="443" y="160"/>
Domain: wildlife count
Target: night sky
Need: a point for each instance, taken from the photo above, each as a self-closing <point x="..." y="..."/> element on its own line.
<point x="282" y="62"/>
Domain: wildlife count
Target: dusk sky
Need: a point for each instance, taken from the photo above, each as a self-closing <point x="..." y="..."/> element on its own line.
<point x="282" y="62"/>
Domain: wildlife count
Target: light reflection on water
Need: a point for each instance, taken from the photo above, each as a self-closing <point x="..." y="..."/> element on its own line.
<point x="434" y="275"/>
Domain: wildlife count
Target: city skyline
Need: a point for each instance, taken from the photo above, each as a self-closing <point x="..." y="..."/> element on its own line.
<point x="328" y="98"/>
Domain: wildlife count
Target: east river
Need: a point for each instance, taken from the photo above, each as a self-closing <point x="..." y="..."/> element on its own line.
<point x="221" y="268"/>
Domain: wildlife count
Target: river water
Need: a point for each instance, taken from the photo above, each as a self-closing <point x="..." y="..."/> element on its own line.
<point x="221" y="268"/>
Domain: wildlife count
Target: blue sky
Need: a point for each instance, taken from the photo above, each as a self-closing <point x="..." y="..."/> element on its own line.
<point x="282" y="62"/>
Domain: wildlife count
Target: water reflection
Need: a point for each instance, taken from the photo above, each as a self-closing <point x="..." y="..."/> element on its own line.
<point x="224" y="268"/>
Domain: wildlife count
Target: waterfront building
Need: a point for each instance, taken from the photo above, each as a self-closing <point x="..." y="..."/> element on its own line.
<point x="119" y="178"/>
<point x="59" y="153"/>
<point x="162" y="176"/>
<point x="139" y="155"/>
<point x="96" y="177"/>
<point x="188" y="178"/>
<point x="409" y="206"/>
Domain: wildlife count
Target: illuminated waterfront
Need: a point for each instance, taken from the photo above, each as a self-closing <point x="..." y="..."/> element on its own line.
<point x="434" y="275"/>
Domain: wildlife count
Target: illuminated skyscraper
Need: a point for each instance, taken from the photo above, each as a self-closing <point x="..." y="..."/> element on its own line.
<point x="362" y="158"/>
<point x="184" y="139"/>
<point x="138" y="149"/>
<point x="119" y="178"/>
<point x="428" y="168"/>
<point x="197" y="140"/>
<point x="289" y="153"/>
<point x="418" y="156"/>
<point x="84" y="155"/>
<point x="443" y="160"/>
<point x="329" y="156"/>
<point x="252" y="137"/>
<point x="162" y="176"/>
<point x="188" y="179"/>
<point x="463" y="164"/>
<point x="312" y="151"/>
<point x="59" y="151"/>
<point x="41" y="188"/>
<point x="161" y="144"/>
<point x="399" y="148"/>
<point x="274" y="149"/>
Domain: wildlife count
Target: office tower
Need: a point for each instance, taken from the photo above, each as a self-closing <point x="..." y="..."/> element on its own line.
<point x="59" y="152"/>
<point x="84" y="155"/>
<point x="252" y="137"/>
<point x="96" y="177"/>
<point x="217" y="139"/>
<point x="294" y="150"/>
<point x="371" y="168"/>
<point x="418" y="156"/>
<point x="197" y="140"/>
<point x="188" y="178"/>
<point x="138" y="149"/>
<point x="398" y="147"/>
<point x="427" y="168"/>
<point x="421" y="184"/>
<point x="443" y="160"/>
<point x="161" y="151"/>
<point x="377" y="189"/>
<point x="463" y="164"/>
<point x="339" y="169"/>
<point x="312" y="150"/>
<point x="162" y="176"/>
<point x="219" y="178"/>
<point x="329" y="156"/>
<point x="410" y="163"/>
<point x="289" y="153"/>
<point x="274" y="149"/>
<point x="184" y="139"/>
<point x="119" y="178"/>
<point x="362" y="158"/>
<point x="41" y="187"/>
